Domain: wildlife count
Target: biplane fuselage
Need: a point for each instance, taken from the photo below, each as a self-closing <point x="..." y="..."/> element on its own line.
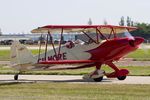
<point x="78" y="55"/>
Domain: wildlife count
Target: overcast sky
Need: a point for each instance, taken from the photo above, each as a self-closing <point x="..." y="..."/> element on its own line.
<point x="23" y="15"/>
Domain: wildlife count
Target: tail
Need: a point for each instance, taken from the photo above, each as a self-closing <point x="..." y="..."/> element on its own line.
<point x="20" y="55"/>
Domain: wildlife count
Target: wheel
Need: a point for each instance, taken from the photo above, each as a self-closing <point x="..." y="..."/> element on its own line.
<point x="121" y="77"/>
<point x="98" y="79"/>
<point x="16" y="77"/>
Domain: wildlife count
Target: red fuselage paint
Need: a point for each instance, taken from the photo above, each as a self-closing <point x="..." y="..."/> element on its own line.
<point x="114" y="49"/>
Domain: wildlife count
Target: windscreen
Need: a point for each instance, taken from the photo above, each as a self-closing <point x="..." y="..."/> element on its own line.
<point x="125" y="34"/>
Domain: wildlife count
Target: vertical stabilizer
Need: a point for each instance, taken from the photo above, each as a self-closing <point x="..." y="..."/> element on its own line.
<point x="20" y="55"/>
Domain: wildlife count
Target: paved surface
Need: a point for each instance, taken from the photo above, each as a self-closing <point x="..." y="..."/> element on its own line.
<point x="72" y="79"/>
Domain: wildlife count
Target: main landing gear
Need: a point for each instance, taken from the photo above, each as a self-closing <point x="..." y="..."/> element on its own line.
<point x="120" y="74"/>
<point x="121" y="77"/>
<point x="98" y="74"/>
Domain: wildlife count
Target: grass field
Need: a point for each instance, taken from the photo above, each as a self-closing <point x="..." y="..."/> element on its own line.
<point x="139" y="54"/>
<point x="5" y="54"/>
<point x="71" y="91"/>
<point x="134" y="71"/>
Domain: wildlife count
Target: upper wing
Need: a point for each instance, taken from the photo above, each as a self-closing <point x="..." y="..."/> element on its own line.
<point x="81" y="28"/>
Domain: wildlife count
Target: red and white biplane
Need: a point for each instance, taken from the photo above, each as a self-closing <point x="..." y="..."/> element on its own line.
<point x="96" y="45"/>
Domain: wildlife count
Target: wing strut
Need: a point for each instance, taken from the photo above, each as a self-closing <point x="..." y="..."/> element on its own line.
<point x="101" y="34"/>
<point x="60" y="42"/>
<point x="40" y="47"/>
<point x="46" y="46"/>
<point x="49" y="37"/>
<point x="89" y="37"/>
<point x="52" y="42"/>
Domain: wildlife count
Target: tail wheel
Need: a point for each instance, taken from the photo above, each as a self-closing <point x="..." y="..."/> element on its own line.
<point x="121" y="77"/>
<point x="16" y="77"/>
<point x="98" y="79"/>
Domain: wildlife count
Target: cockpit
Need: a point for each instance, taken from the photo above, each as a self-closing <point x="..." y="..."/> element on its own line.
<point x="89" y="38"/>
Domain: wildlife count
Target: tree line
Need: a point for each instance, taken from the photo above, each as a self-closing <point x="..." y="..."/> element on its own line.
<point x="143" y="28"/>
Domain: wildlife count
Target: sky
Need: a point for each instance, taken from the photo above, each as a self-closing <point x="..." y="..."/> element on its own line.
<point x="21" y="16"/>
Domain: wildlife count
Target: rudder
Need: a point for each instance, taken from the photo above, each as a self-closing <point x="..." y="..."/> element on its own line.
<point x="20" y="54"/>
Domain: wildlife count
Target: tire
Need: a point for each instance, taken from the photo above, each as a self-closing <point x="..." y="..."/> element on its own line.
<point x="98" y="79"/>
<point x="16" y="77"/>
<point x="121" y="77"/>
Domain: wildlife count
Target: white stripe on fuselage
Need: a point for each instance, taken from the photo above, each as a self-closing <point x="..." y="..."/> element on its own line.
<point x="75" y="53"/>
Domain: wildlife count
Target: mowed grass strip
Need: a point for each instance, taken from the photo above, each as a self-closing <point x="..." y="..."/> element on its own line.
<point x="134" y="71"/>
<point x="140" y="55"/>
<point x="71" y="91"/>
<point x="5" y="54"/>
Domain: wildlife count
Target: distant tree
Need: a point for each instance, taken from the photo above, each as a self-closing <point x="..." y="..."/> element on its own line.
<point x="0" y="32"/>
<point x="90" y="21"/>
<point x="143" y="26"/>
<point x="143" y="30"/>
<point x="105" y="22"/>
<point x="132" y="23"/>
<point x="122" y="23"/>
<point x="128" y="21"/>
